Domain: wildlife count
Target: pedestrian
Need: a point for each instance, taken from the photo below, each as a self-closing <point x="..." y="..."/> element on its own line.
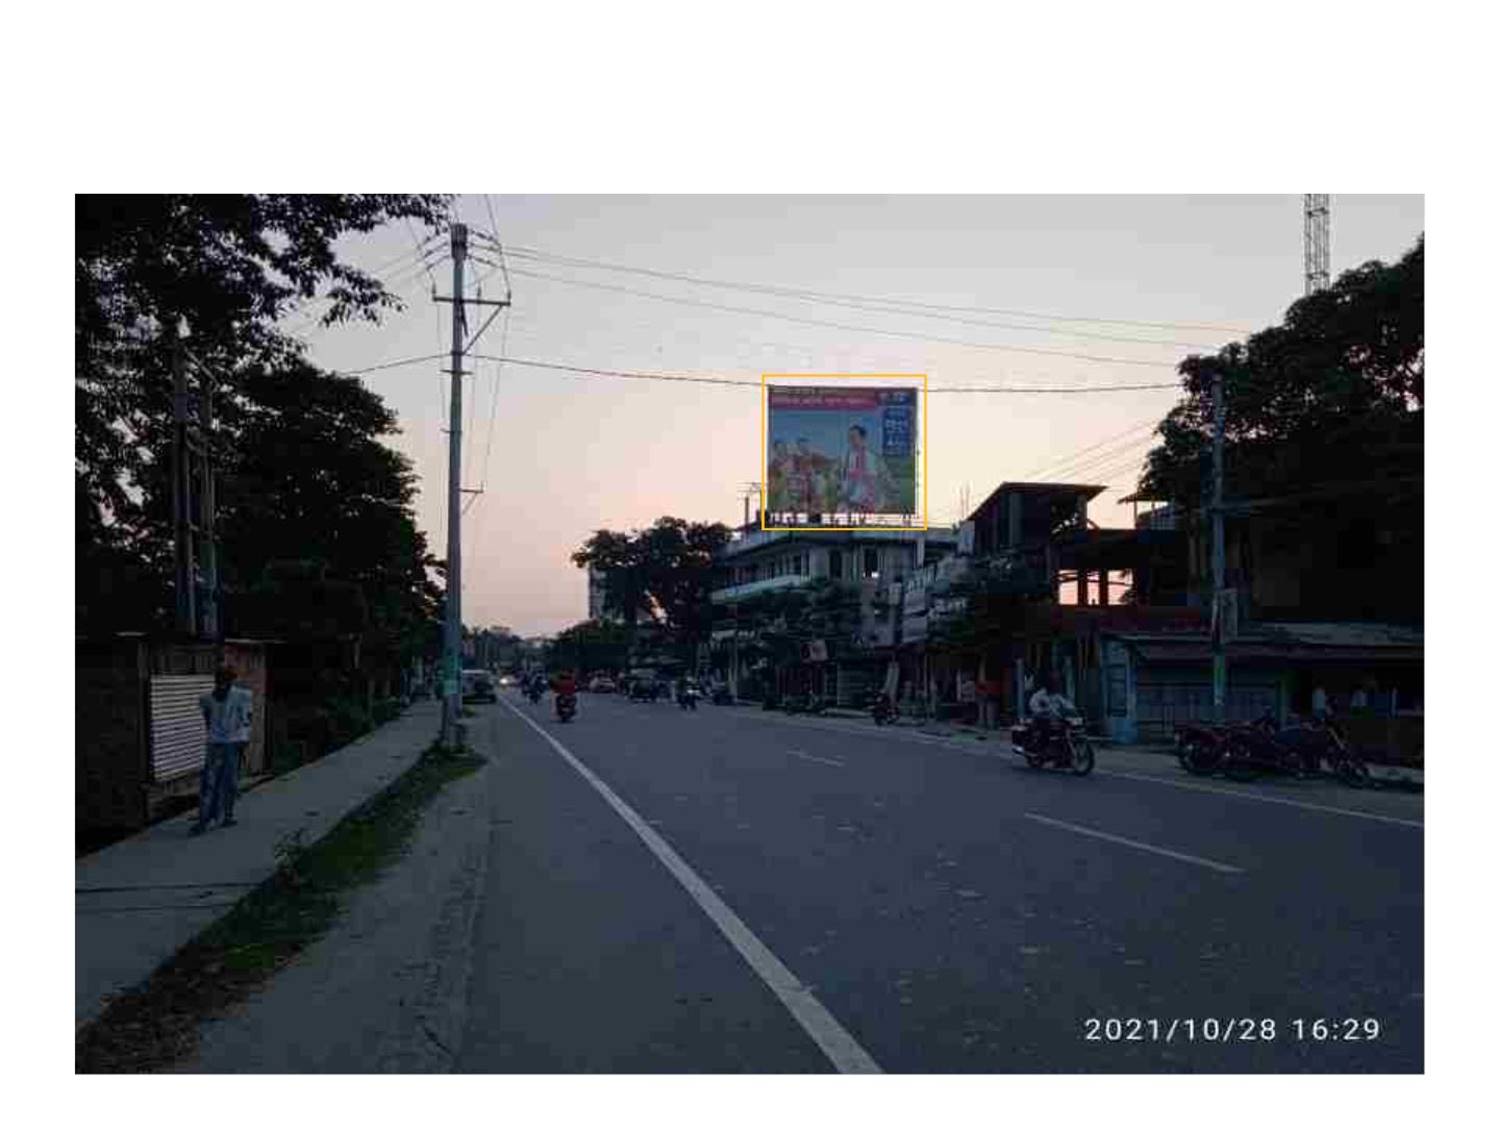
<point x="227" y="713"/>
<point x="1320" y="702"/>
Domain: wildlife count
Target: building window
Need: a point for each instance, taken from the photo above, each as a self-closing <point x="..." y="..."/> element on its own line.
<point x="872" y="562"/>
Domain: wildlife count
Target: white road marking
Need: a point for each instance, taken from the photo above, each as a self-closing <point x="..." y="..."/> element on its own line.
<point x="954" y="742"/>
<point x="1201" y="862"/>
<point x="841" y="1048"/>
<point x="815" y="758"/>
<point x="1261" y="797"/>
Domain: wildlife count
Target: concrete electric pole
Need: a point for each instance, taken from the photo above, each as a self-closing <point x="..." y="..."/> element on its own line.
<point x="453" y="625"/>
<point x="1219" y="607"/>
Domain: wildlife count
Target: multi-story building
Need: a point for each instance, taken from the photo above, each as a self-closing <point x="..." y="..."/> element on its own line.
<point x="841" y="650"/>
<point x="1120" y="617"/>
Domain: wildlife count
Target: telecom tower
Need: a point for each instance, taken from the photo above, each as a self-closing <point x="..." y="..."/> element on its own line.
<point x="1315" y="241"/>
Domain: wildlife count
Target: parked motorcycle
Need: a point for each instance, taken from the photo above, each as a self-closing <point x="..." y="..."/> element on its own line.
<point x="1065" y="746"/>
<point x="884" y="710"/>
<point x="1343" y="758"/>
<point x="1260" y="747"/>
<point x="721" y="695"/>
<point x="1200" y="747"/>
<point x="567" y="707"/>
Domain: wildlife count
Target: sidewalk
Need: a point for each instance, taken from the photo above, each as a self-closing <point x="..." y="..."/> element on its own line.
<point x="139" y="901"/>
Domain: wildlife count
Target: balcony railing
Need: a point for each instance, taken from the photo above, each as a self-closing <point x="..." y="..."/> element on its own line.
<point x="762" y="586"/>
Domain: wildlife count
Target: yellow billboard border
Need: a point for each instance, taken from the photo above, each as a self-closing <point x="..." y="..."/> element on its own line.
<point x="765" y="408"/>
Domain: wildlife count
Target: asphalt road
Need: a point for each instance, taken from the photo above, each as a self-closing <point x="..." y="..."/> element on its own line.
<point x="874" y="899"/>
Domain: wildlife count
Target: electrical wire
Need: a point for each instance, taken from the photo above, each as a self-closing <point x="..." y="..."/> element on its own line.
<point x="1056" y="466"/>
<point x="834" y="298"/>
<point x="718" y="381"/>
<point x="895" y="332"/>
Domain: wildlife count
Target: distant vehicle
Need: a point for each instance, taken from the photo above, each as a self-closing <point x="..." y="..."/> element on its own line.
<point x="478" y="686"/>
<point x="567" y="707"/>
<point x="507" y="680"/>
<point x="601" y="684"/>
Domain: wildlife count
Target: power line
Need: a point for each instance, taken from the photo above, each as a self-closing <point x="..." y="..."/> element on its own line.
<point x="1057" y="466"/>
<point x="834" y="298"/>
<point x="896" y="332"/>
<point x="606" y="372"/>
<point x="718" y="381"/>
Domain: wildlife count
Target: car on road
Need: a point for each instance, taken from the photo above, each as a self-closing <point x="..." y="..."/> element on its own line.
<point x="479" y="686"/>
<point x="601" y="684"/>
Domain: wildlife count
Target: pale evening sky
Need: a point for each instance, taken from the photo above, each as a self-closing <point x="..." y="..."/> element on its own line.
<point x="570" y="453"/>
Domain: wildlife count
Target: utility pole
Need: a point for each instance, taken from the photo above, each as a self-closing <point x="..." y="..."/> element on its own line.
<point x="208" y="546"/>
<point x="182" y="535"/>
<point x="1219" y="625"/>
<point x="453" y="626"/>
<point x="452" y="632"/>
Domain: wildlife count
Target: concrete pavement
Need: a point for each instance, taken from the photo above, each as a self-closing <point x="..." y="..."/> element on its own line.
<point x="139" y="901"/>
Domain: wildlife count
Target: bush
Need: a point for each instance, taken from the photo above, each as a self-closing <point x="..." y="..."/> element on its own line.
<point x="387" y="709"/>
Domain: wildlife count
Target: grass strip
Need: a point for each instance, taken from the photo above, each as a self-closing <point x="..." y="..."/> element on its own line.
<point x="156" y="1024"/>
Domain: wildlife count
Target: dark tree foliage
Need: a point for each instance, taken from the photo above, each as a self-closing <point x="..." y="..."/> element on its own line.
<point x="664" y="570"/>
<point x="226" y="267"/>
<point x="308" y="489"/>
<point x="1323" y="437"/>
<point x="589" y="647"/>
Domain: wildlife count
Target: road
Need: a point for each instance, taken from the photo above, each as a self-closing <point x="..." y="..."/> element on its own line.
<point x="731" y="891"/>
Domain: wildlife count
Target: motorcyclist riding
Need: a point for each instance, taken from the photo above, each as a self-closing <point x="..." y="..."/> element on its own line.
<point x="565" y="686"/>
<point x="1048" y="708"/>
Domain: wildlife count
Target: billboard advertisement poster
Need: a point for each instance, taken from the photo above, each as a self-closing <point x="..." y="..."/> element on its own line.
<point x="841" y="456"/>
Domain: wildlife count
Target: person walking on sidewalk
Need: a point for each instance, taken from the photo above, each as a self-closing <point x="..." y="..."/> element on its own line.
<point x="227" y="711"/>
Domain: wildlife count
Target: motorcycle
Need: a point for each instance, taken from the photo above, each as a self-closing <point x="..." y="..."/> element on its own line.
<point x="1066" y="746"/>
<point x="1200" y="747"/>
<point x="884" y="710"/>
<point x="687" y="699"/>
<point x="534" y="691"/>
<point x="1344" y="759"/>
<point x="1259" y="747"/>
<point x="567" y="707"/>
<point x="721" y="695"/>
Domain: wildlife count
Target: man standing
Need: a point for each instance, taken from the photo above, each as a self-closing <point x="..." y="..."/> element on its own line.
<point x="227" y="713"/>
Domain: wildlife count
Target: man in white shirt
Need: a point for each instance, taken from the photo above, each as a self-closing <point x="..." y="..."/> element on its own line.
<point x="227" y="713"/>
<point x="1048" y="707"/>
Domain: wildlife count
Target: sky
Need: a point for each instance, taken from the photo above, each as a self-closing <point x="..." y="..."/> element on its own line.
<point x="1032" y="291"/>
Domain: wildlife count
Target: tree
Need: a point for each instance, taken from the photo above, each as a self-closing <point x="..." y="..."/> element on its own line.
<point x="229" y="267"/>
<point x="309" y="485"/>
<point x="1323" y="436"/>
<point x="664" y="570"/>
<point x="590" y="646"/>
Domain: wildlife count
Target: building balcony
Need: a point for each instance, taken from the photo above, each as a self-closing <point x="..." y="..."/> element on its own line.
<point x="751" y="540"/>
<point x="744" y="590"/>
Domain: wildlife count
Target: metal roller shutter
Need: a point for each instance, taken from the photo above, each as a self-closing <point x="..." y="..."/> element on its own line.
<point x="177" y="730"/>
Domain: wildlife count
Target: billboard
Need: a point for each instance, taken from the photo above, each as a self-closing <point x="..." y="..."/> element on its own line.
<point x="842" y="456"/>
